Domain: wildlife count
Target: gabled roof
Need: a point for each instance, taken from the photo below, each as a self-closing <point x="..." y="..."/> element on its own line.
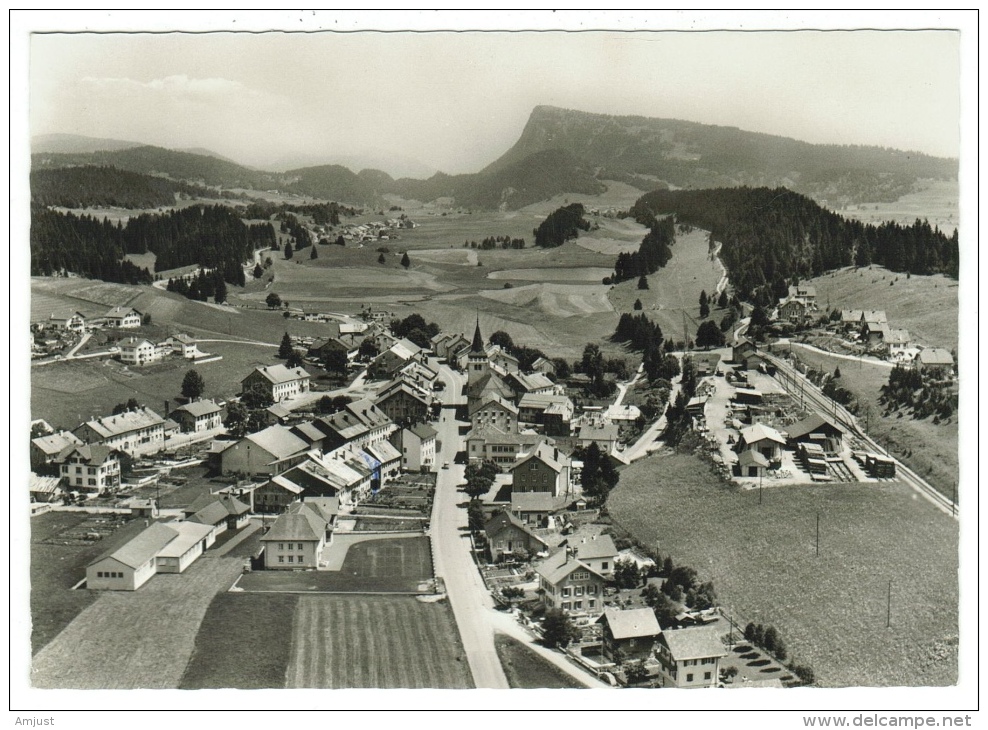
<point x="760" y="432"/>
<point x="121" y="312"/>
<point x="305" y="525"/>
<point x="935" y="356"/>
<point x="189" y="533"/>
<point x="308" y="432"/>
<point x="285" y="483"/>
<point x="502" y="519"/>
<point x="383" y="451"/>
<point x="400" y="386"/>
<point x="547" y="454"/>
<point x="898" y="337"/>
<point x="493" y="399"/>
<point x="543" y="400"/>
<point x="212" y="514"/>
<point x="134" y="342"/>
<point x="346" y="425"/>
<point x="810" y="424"/>
<point x="230" y="504"/>
<point x="110" y="426"/>
<point x="326" y="507"/>
<point x="631" y="624"/>
<point x="43" y="485"/>
<point x="424" y="431"/>
<point x="752" y="458"/>
<point x="278" y="374"/>
<point x="278" y="411"/>
<point x="278" y="441"/>
<point x="597" y="546"/>
<point x="199" y="408"/>
<point x="559" y="565"/>
<point x="95" y="454"/>
<point x="536" y="502"/>
<point x="144" y="547"/>
<point x="697" y="643"/>
<point x="489" y="383"/>
<point x="531" y="381"/>
<point x="54" y="443"/>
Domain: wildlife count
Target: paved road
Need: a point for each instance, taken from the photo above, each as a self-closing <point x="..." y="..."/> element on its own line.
<point x="469" y="598"/>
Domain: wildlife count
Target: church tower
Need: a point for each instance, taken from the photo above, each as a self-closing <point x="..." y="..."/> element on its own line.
<point x="477" y="363"/>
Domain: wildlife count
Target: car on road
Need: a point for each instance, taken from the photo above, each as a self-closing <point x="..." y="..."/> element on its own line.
<point x="446" y="465"/>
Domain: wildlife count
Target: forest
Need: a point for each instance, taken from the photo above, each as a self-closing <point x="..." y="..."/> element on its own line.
<point x="653" y="254"/>
<point x="91" y="186"/>
<point x="560" y="226"/>
<point x="771" y="236"/>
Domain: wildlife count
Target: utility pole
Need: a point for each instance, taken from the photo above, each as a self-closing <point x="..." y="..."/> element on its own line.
<point x="888" y="613"/>
<point x="760" y="473"/>
<point x="818" y="534"/>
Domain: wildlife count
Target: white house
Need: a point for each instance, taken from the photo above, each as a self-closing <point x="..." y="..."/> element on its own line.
<point x="138" y="351"/>
<point x="123" y="317"/>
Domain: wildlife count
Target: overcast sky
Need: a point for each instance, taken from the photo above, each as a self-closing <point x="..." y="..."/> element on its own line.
<point x="456" y="102"/>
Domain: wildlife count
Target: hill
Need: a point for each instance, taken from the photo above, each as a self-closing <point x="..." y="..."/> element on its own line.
<point x="89" y="186"/>
<point x="641" y="151"/>
<point x="76" y="143"/>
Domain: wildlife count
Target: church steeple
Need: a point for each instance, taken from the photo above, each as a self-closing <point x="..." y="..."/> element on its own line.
<point x="478" y="340"/>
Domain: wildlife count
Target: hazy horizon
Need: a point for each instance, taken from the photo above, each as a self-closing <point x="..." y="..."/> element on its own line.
<point x="456" y="102"/>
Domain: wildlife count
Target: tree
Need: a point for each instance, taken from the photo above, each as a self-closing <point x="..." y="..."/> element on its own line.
<point x="770" y="639"/>
<point x="258" y="271"/>
<point x="381" y="259"/>
<point x="475" y="515"/>
<point x="405" y="261"/>
<point x="837" y="373"/>
<point x="146" y="320"/>
<point x="665" y="608"/>
<point x="294" y="360"/>
<point x="368" y="350"/>
<point x="503" y="340"/>
<point x="598" y="477"/>
<point x="759" y="318"/>
<point x="289" y="252"/>
<point x="219" y="292"/>
<point x="704" y="310"/>
<point x="722" y="300"/>
<point x="39" y="429"/>
<point x="130" y="405"/>
<point x="285" y="349"/>
<point x="236" y="419"/>
<point x="703" y="298"/>
<point x="314" y="254"/>
<point x="335" y="362"/>
<point x="558" y="629"/>
<point x="273" y="301"/>
<point x="638" y="304"/>
<point x="193" y="385"/>
<point x="643" y="282"/>
<point x="709" y="335"/>
<point x="635" y="672"/>
<point x="626" y="574"/>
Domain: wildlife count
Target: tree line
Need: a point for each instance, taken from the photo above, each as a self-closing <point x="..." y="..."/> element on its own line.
<point x="771" y="236"/>
<point x="90" y="185"/>
<point x="560" y="226"/>
<point x="492" y="242"/>
<point x="653" y="253"/>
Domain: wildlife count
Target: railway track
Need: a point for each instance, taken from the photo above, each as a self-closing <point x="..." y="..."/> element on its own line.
<point x="809" y="393"/>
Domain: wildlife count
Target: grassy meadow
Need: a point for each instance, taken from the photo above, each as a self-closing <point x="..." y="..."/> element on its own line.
<point x="830" y="609"/>
<point x="525" y="669"/>
<point x="932" y="200"/>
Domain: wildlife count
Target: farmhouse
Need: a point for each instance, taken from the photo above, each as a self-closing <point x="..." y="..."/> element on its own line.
<point x="507" y="534"/>
<point x="690" y="657"/>
<point x="324" y="349"/>
<point x="624" y="416"/>
<point x="793" y="311"/>
<point x="296" y="538"/>
<point x="138" y="351"/>
<point x="570" y="584"/>
<point x="277" y="382"/>
<point x="45" y="449"/>
<point x="90" y="468"/>
<point x="123" y="317"/>
<point x="198" y="416"/>
<point x="418" y="447"/>
<point x="874" y="333"/>
<point x="71" y="321"/>
<point x="629" y="635"/>
<point x="544" y="366"/>
<point x="270" y="451"/>
<point x="139" y="432"/>
<point x="530" y="383"/>
<point x="803" y="293"/>
<point x="402" y="402"/>
<point x="706" y="363"/>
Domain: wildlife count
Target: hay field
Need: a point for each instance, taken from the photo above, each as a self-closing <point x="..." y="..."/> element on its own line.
<point x="934" y="200"/>
<point x="615" y="235"/>
<point x="617" y="195"/>
<point x="567" y="274"/>
<point x="831" y="609"/>
<point x="135" y="640"/>
<point x="927" y="306"/>
<point x="555" y="300"/>
<point x="338" y="642"/>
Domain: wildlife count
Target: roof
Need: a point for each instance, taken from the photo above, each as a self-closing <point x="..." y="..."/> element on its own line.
<point x="874" y="315"/>
<point x="536" y="502"/>
<point x="593" y="431"/>
<point x="532" y="381"/>
<point x="424" y="431"/>
<point x="333" y="468"/>
<point x="144" y="547"/>
<point x="477" y="346"/>
<point x="277" y="374"/>
<point x="278" y="411"/>
<point x="489" y="383"/>
<point x="304" y="524"/>
<point x="497" y="436"/>
<point x="94" y="454"/>
<point x="813" y="422"/>
<point x="760" y="432"/>
<point x="935" y="356"/>
<point x="401" y="386"/>
<point x="327" y="507"/>
<point x="122" y="312"/>
<point x="384" y="451"/>
<point x="623" y="413"/>
<point x="752" y="458"/>
<point x="199" y="408"/>
<point x="346" y="425"/>
<point x="495" y="399"/>
<point x="590" y="548"/>
<point x="559" y="565"/>
<point x="54" y="443"/>
<point x="110" y="426"/>
<point x="898" y="337"/>
<point x="212" y="514"/>
<point x="285" y="483"/>
<point x="547" y="454"/>
<point x="308" y="432"/>
<point x="694" y="643"/>
<point x="632" y="623"/>
<point x="43" y="485"/>
<point x="231" y="505"/>
<point x="278" y="441"/>
<point x="502" y="519"/>
<point x="189" y="533"/>
<point x="543" y="400"/>
<point x="132" y="342"/>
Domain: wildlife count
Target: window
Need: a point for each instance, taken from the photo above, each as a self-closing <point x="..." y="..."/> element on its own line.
<point x="281" y="546"/>
<point x="281" y="558"/>
<point x="91" y="470"/>
<point x="706" y="675"/>
<point x="578" y="591"/>
<point x="99" y="573"/>
<point x="291" y="558"/>
<point x="591" y="603"/>
<point x="565" y="606"/>
<point x="603" y="566"/>
<point x="689" y="677"/>
<point x="566" y="592"/>
<point x="591" y="590"/>
<point x="577" y="605"/>
<point x="300" y="546"/>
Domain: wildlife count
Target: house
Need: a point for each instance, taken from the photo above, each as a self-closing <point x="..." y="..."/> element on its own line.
<point x="184" y="345"/>
<point x="874" y="334"/>
<point x="486" y="384"/>
<point x="130" y="566"/>
<point x="628" y="635"/>
<point x="324" y="349"/>
<point x="535" y="508"/>
<point x="379" y="426"/>
<point x="543" y="469"/>
<point x="309" y="432"/>
<point x="706" y="363"/>
<point x="544" y="366"/>
<point x="389" y="459"/>
<point x="45" y="489"/>
<point x="418" y="375"/>
<point x="124" y="318"/>
<point x="492" y="444"/>
<point x="597" y="551"/>
<point x="386" y="364"/>
<point x="751" y="464"/>
<point x="90" y="468"/>
<point x="198" y="416"/>
<point x="900" y="346"/>
<point x="569" y="584"/>
<point x="139" y="432"/>
<point x="45" y="449"/>
<point x="553" y="412"/>
<point x="277" y="382"/>
<point x="690" y="657"/>
<point x="933" y="358"/>
<point x="277" y="414"/>
<point x="507" y="534"/>
<point x="402" y="402"/>
<point x="763" y="439"/>
<point x="816" y="428"/>
<point x="494" y="410"/>
<point x="221" y="512"/>
<point x="502" y="359"/>
<point x="793" y="311"/>
<point x="595" y="431"/>
<point x="523" y="383"/>
<point x="803" y="293"/>
<point x="418" y="447"/>
<point x="296" y="539"/>
<point x="343" y="428"/>
<point x="626" y="417"/>
<point x="277" y="493"/>
<point x="138" y="351"/>
<point x="192" y="541"/>
<point x="71" y="321"/>
<point x="742" y="350"/>
<point x="270" y="451"/>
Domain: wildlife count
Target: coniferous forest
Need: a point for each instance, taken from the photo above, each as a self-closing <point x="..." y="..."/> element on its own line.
<point x="770" y="236"/>
<point x="211" y="236"/>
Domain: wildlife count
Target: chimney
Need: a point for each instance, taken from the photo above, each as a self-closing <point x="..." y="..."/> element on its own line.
<point x="166" y="409"/>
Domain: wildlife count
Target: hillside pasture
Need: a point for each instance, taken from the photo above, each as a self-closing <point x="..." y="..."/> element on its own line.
<point x="927" y="306"/>
<point x="613" y="236"/>
<point x="338" y="642"/>
<point x="830" y="609"/>
<point x="135" y="639"/>
<point x="555" y="300"/>
<point x="568" y="274"/>
<point x="933" y="200"/>
<point x="618" y="195"/>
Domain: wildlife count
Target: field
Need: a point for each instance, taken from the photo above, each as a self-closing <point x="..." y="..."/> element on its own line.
<point x="56" y="568"/>
<point x="338" y="642"/>
<point x="927" y="306"/>
<point x="931" y="450"/>
<point x="244" y="642"/>
<point x="830" y="609"/>
<point x="934" y="200"/>
<point x="567" y="274"/>
<point x="614" y="236"/>
<point x="135" y="640"/>
<point x="390" y="565"/>
<point x="527" y="670"/>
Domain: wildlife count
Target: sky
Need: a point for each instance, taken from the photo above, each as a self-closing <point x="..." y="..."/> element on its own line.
<point x="455" y="102"/>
